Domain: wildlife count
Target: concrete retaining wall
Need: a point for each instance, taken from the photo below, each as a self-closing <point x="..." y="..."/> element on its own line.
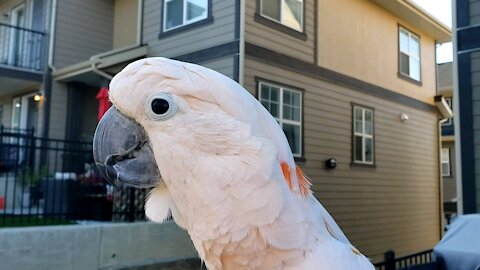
<point x="96" y="246"/>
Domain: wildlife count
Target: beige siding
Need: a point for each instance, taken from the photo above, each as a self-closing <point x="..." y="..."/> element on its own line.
<point x="83" y="28"/>
<point x="125" y="23"/>
<point x="360" y="39"/>
<point x="221" y="31"/>
<point x="393" y="206"/>
<point x="270" y="38"/>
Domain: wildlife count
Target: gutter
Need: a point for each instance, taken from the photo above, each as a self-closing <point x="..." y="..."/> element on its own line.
<point x="241" y="61"/>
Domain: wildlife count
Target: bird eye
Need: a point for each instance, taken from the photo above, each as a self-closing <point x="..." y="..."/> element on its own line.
<point x="161" y="106"/>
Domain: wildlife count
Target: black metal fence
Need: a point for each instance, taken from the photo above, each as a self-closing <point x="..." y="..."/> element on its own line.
<point x="21" y="47"/>
<point x="55" y="181"/>
<point x="421" y="259"/>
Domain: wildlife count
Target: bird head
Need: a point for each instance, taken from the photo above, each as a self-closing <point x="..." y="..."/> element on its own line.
<point x="163" y="107"/>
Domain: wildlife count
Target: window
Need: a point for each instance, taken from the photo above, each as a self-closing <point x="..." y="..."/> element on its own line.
<point x="409" y="54"/>
<point x="285" y="105"/>
<point x="363" y="144"/>
<point x="450" y="120"/>
<point x="178" y="13"/>
<point x="286" y="12"/>
<point x="446" y="162"/>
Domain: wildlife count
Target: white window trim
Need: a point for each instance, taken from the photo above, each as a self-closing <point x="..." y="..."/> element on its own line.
<point x="184" y="19"/>
<point x="447" y="161"/>
<point x="280" y="119"/>
<point x="282" y="3"/>
<point x="410" y="35"/>
<point x="364" y="136"/>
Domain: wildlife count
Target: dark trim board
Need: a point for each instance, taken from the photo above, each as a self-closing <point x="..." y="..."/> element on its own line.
<point x="468" y="39"/>
<point x="467" y="146"/>
<point x="314" y="71"/>
<point x="35" y="76"/>
<point x="463" y="13"/>
<point x="227" y="49"/>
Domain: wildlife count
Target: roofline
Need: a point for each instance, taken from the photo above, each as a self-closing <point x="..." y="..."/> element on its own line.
<point x="415" y="15"/>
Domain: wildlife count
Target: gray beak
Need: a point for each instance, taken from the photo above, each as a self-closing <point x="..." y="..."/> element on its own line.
<point x="122" y="152"/>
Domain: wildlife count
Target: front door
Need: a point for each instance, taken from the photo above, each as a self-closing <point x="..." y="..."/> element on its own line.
<point x="25" y="113"/>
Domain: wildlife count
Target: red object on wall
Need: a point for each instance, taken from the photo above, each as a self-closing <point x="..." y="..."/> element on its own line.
<point x="2" y="203"/>
<point x="104" y="102"/>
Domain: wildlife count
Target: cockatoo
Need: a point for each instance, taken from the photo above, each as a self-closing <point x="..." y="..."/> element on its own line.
<point x="221" y="166"/>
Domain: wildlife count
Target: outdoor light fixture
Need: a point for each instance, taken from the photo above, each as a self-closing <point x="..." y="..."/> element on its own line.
<point x="331" y="163"/>
<point x="404" y="117"/>
<point x="17" y="105"/>
<point x="37" y="97"/>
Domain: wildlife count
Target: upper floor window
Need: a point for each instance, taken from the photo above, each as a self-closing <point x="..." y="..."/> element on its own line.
<point x="363" y="144"/>
<point x="285" y="105"/>
<point x="177" y="13"/>
<point x="286" y="12"/>
<point x="409" y="55"/>
<point x="446" y="162"/>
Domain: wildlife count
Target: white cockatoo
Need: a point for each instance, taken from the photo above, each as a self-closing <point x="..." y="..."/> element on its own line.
<point x="221" y="165"/>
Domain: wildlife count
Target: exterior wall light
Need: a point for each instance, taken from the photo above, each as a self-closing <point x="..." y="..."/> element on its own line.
<point x="404" y="117"/>
<point x="37" y="97"/>
<point x="331" y="163"/>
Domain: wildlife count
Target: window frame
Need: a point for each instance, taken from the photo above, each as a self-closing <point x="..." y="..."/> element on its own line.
<point x="448" y="162"/>
<point x="280" y="120"/>
<point x="185" y="22"/>
<point x="363" y="162"/>
<point x="402" y="75"/>
<point x="281" y="21"/>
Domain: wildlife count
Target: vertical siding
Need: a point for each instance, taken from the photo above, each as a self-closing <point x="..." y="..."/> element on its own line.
<point x="83" y="28"/>
<point x="393" y="206"/>
<point x="270" y="38"/>
<point x="474" y="12"/>
<point x="221" y="31"/>
<point x="475" y="69"/>
<point x="58" y="111"/>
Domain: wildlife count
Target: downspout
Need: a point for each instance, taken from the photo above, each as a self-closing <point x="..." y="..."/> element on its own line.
<point x="456" y="116"/>
<point x="241" y="60"/>
<point x="47" y="75"/>
<point x="439" y="151"/>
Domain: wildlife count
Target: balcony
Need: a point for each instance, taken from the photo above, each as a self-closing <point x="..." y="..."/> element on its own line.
<point x="21" y="48"/>
<point x="22" y="58"/>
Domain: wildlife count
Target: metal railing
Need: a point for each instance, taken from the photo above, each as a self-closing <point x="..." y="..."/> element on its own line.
<point x="21" y="47"/>
<point x="54" y="181"/>
<point x="392" y="263"/>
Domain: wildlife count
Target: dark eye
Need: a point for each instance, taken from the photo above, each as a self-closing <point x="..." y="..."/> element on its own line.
<point x="160" y="106"/>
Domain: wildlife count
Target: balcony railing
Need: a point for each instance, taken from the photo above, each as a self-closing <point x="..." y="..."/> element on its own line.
<point x="21" y="48"/>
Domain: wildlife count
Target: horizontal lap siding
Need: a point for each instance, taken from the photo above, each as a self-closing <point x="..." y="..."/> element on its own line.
<point x="58" y="109"/>
<point x="270" y="38"/>
<point x="82" y="29"/>
<point x="221" y="31"/>
<point x="475" y="65"/>
<point x="393" y="206"/>
<point x="6" y="102"/>
<point x="223" y="65"/>
<point x="474" y="12"/>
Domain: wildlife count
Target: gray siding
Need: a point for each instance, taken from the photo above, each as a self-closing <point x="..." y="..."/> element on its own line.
<point x="449" y="182"/>
<point x="474" y="12"/>
<point x="83" y="28"/>
<point x="221" y="31"/>
<point x="223" y="65"/>
<point x="476" y="117"/>
<point x="58" y="111"/>
<point x="6" y="103"/>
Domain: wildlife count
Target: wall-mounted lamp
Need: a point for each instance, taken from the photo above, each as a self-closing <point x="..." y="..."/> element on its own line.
<point x="37" y="97"/>
<point x="404" y="117"/>
<point x="331" y="163"/>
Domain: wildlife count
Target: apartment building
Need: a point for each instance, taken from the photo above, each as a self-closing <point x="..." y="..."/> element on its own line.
<point x="352" y="82"/>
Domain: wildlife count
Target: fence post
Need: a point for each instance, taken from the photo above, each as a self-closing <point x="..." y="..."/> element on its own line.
<point x="390" y="260"/>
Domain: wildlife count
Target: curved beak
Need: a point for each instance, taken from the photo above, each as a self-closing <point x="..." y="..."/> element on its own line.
<point x="122" y="152"/>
